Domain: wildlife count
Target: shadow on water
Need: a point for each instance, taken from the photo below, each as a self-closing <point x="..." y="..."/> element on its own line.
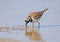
<point x="34" y="35"/>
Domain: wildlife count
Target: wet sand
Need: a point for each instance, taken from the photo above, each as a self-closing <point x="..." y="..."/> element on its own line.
<point x="8" y="40"/>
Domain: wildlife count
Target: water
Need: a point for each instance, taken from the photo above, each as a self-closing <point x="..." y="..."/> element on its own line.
<point x="49" y="34"/>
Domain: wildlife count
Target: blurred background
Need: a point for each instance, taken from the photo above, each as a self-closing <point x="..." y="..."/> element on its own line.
<point x="13" y="12"/>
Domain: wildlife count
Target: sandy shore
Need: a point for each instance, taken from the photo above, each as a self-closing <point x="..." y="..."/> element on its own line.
<point x="8" y="40"/>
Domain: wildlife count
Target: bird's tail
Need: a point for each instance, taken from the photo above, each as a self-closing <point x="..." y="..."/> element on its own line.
<point x="45" y="10"/>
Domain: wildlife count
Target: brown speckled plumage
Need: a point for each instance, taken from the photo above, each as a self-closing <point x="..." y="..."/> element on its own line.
<point x="37" y="15"/>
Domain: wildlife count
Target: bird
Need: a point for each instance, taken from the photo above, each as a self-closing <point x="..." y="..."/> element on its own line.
<point x="34" y="17"/>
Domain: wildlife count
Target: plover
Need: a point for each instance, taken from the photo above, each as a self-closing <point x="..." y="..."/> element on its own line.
<point x="34" y="17"/>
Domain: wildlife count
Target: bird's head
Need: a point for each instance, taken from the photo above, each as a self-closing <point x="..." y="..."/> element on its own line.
<point x="28" y="19"/>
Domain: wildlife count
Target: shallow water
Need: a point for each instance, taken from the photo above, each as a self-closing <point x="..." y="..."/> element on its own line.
<point x="48" y="34"/>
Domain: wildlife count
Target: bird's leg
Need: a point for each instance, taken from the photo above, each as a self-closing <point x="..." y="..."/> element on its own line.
<point x="26" y="27"/>
<point x="38" y="26"/>
<point x="33" y="25"/>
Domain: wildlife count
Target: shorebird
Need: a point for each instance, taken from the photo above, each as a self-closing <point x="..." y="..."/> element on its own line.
<point x="34" y="17"/>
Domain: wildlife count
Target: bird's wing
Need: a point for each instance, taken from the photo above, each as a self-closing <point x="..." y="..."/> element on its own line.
<point x="36" y="15"/>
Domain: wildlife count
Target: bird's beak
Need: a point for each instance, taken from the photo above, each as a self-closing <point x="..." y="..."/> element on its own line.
<point x="26" y="22"/>
<point x="26" y="25"/>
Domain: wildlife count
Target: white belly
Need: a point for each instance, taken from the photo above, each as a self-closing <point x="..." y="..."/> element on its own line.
<point x="35" y="20"/>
